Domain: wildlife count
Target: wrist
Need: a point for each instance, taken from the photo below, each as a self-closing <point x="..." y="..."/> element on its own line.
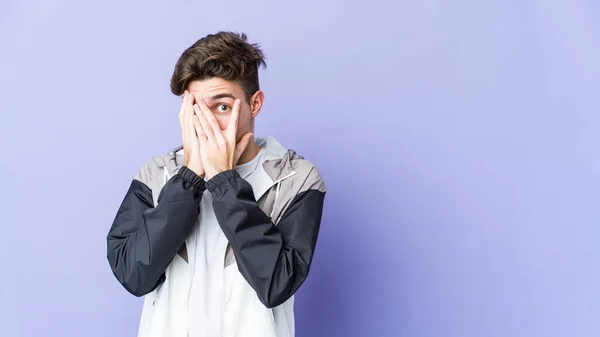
<point x="216" y="171"/>
<point x="220" y="179"/>
<point x="196" y="168"/>
<point x="192" y="177"/>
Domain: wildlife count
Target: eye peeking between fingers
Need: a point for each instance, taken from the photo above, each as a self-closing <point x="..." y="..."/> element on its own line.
<point x="223" y="108"/>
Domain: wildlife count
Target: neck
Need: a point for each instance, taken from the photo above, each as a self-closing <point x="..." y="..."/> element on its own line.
<point x="251" y="151"/>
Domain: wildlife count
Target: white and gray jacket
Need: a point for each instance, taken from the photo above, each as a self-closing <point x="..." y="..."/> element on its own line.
<point x="242" y="280"/>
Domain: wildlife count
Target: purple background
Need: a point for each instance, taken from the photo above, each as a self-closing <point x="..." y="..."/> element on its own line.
<point x="459" y="141"/>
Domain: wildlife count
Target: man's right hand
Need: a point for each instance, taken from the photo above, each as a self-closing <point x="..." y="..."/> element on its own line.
<point x="191" y="144"/>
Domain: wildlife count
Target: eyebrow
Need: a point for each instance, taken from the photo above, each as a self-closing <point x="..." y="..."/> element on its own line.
<point x="218" y="96"/>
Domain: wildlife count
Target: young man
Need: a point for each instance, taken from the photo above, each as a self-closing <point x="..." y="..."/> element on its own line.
<point x="220" y="233"/>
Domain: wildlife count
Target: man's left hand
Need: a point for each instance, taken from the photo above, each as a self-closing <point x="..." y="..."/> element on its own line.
<point x="220" y="150"/>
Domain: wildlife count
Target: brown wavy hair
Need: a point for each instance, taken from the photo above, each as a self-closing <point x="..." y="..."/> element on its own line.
<point x="227" y="55"/>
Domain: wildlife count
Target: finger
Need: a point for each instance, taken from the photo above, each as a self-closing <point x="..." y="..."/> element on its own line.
<point x="199" y="132"/>
<point x="233" y="121"/>
<point x="182" y="118"/>
<point x="210" y="117"/>
<point x="184" y="97"/>
<point x="191" y="99"/>
<point x="189" y="114"/>
<point x="206" y="128"/>
<point x="241" y="146"/>
<point x="181" y="108"/>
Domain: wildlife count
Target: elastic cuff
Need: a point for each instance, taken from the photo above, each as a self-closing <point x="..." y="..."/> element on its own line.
<point x="221" y="178"/>
<point x="192" y="178"/>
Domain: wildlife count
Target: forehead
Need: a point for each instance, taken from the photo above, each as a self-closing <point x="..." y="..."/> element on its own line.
<point x="214" y="86"/>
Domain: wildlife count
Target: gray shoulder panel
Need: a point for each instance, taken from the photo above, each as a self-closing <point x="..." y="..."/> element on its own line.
<point x="309" y="175"/>
<point x="306" y="177"/>
<point x="150" y="170"/>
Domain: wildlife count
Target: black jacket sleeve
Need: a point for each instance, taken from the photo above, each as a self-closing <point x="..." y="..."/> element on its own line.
<point x="144" y="239"/>
<point x="275" y="260"/>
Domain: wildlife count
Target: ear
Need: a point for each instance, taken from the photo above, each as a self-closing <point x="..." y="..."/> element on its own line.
<point x="256" y="103"/>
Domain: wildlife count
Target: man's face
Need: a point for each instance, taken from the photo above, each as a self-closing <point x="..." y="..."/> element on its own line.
<point x="219" y="95"/>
